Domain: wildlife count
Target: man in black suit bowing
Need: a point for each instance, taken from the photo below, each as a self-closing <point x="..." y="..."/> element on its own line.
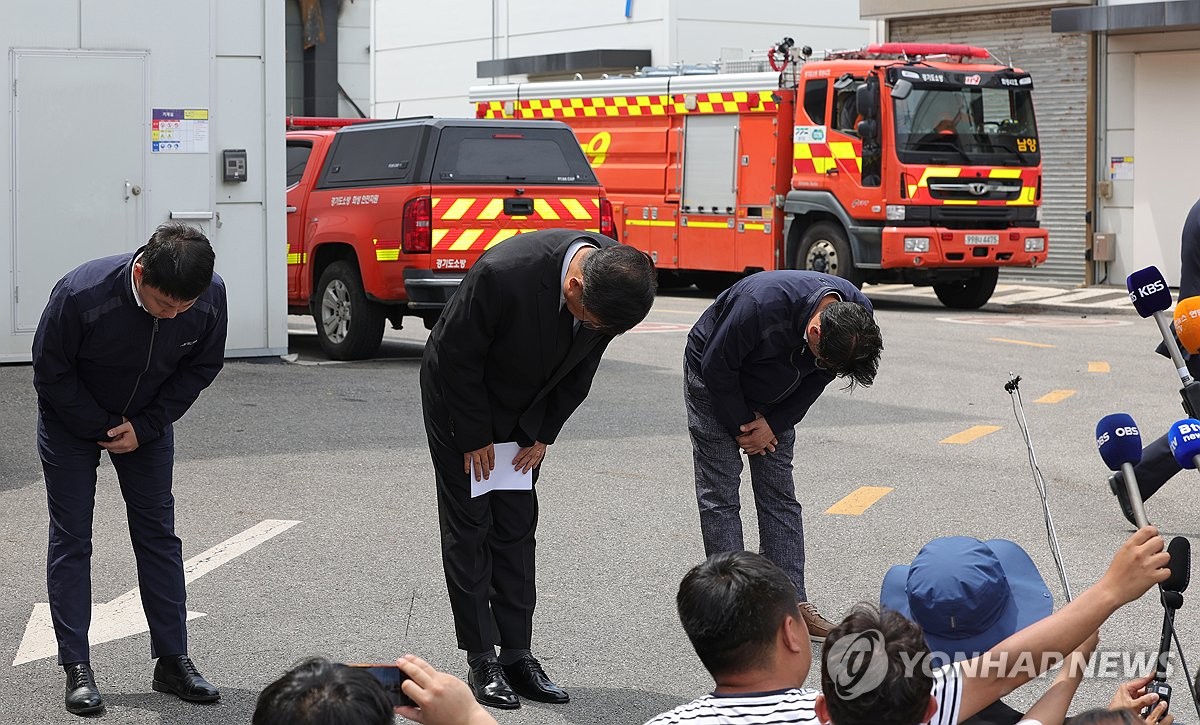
<point x="511" y="358"/>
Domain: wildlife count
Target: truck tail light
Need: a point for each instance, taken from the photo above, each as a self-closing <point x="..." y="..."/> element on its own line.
<point x="416" y="234"/>
<point x="608" y="227"/>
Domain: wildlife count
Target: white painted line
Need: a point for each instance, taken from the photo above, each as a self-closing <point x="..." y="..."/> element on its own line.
<point x="1086" y="294"/>
<point x="123" y="616"/>
<point x="1029" y="295"/>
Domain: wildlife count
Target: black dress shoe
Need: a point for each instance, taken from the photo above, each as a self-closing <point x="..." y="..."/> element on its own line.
<point x="490" y="688"/>
<point x="178" y="676"/>
<point x="530" y="681"/>
<point x="82" y="695"/>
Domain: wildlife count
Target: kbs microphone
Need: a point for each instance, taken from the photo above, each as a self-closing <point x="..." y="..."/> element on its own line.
<point x="1151" y="298"/>
<point x="1187" y="324"/>
<point x="1120" y="446"/>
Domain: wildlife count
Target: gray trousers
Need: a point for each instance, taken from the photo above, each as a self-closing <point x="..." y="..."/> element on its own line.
<point x="718" y="464"/>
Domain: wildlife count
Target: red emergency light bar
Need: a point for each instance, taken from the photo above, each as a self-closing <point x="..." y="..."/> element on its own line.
<point x="926" y="49"/>
<point x="323" y="121"/>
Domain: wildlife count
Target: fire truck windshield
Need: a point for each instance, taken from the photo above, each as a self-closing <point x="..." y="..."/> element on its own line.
<point x="947" y="124"/>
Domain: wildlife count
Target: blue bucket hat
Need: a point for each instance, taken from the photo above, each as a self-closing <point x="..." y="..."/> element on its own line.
<point x="968" y="595"/>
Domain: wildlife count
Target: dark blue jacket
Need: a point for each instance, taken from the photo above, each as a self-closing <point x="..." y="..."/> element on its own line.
<point x="98" y="356"/>
<point x="749" y="347"/>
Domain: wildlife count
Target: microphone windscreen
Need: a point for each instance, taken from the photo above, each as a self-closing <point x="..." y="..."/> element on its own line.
<point x="1187" y="324"/>
<point x="1148" y="291"/>
<point x="1180" y="550"/>
<point x="1119" y="441"/>
<point x="1184" y="438"/>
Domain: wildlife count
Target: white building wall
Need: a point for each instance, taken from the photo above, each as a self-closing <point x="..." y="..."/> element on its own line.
<point x="224" y="56"/>
<point x="424" y="62"/>
<point x="354" y="57"/>
<point x="1149" y="88"/>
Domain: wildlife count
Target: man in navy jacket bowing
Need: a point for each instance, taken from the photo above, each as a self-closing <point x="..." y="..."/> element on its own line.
<point x="124" y="347"/>
<point x="755" y="361"/>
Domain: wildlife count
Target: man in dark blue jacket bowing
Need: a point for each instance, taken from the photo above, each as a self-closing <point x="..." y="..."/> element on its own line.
<point x="124" y="347"/>
<point x="756" y="360"/>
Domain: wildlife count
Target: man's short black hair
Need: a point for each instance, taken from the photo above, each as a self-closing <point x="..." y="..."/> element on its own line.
<point x="319" y="692"/>
<point x="902" y="698"/>
<point x="1103" y="716"/>
<point x="618" y="286"/>
<point x="178" y="261"/>
<point x="850" y="342"/>
<point x="731" y="607"/>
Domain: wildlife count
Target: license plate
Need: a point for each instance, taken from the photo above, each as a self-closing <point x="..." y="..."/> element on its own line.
<point x="983" y="239"/>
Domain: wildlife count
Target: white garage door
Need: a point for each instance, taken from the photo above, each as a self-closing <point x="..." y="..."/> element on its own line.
<point x="1166" y="155"/>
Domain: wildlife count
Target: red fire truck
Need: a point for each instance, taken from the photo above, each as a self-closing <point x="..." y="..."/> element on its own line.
<point x="907" y="163"/>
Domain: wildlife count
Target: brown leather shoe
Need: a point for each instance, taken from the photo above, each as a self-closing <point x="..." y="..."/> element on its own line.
<point x="817" y="625"/>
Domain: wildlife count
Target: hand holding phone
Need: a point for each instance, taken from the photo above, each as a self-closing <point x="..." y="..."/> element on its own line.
<point x="390" y="677"/>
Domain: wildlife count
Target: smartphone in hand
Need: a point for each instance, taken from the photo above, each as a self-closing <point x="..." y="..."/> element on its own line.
<point x="390" y="677"/>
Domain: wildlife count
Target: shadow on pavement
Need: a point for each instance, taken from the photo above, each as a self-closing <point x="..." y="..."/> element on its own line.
<point x="596" y="705"/>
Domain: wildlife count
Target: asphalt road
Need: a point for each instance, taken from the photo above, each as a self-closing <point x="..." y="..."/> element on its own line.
<point x="341" y="449"/>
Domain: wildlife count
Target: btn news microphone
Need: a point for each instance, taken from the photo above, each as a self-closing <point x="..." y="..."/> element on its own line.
<point x="1151" y="297"/>
<point x="1120" y="445"/>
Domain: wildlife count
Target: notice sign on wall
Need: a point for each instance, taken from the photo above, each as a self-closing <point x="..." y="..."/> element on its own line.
<point x="179" y="131"/>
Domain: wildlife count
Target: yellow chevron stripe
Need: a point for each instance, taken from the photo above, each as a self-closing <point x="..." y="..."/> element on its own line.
<point x="387" y="255"/>
<point x="576" y="209"/>
<point x="465" y="240"/>
<point x="492" y="210"/>
<point x="543" y="209"/>
<point x="501" y="236"/>
<point x="457" y="209"/>
<point x="439" y="235"/>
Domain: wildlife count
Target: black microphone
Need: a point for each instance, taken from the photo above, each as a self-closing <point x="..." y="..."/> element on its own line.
<point x="1151" y="297"/>
<point x="1171" y="595"/>
<point x="1180" y="550"/>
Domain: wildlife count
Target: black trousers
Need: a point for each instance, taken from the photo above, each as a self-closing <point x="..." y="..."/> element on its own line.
<point x="69" y="465"/>
<point x="1158" y="464"/>
<point x="487" y="546"/>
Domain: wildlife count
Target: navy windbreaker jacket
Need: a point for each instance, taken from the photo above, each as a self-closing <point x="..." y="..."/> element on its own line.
<point x="98" y="356"/>
<point x="748" y="347"/>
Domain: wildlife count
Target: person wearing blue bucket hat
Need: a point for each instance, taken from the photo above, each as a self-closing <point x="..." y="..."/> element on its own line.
<point x="969" y="595"/>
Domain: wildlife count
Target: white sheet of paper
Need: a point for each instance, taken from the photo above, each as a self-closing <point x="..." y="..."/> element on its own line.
<point x="503" y="477"/>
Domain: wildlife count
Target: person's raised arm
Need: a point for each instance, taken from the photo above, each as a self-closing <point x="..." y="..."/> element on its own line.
<point x="1139" y="564"/>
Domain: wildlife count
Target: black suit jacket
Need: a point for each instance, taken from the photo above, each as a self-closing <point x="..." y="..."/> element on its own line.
<point x="491" y="369"/>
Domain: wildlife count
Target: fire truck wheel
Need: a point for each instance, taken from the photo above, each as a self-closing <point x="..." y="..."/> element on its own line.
<point x="349" y="326"/>
<point x="824" y="248"/>
<point x="968" y="294"/>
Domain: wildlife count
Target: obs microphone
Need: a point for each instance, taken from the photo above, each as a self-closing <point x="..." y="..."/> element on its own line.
<point x="1120" y="446"/>
<point x="1151" y="298"/>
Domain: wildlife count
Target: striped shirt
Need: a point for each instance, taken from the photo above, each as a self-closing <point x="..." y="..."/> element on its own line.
<point x="795" y="706"/>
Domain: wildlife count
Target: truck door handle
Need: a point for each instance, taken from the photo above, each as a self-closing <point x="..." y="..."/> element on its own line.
<point x="516" y="206"/>
<point x="291" y="209"/>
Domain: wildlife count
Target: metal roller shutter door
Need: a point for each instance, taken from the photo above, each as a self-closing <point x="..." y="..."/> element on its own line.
<point x="1059" y="65"/>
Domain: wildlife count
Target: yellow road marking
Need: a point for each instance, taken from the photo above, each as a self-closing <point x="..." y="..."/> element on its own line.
<point x="1098" y="367"/>
<point x="859" y="501"/>
<point x="1055" y="396"/>
<point x="970" y="434"/>
<point x="1019" y="342"/>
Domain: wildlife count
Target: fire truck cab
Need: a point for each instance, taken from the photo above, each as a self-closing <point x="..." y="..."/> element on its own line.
<point x="915" y="163"/>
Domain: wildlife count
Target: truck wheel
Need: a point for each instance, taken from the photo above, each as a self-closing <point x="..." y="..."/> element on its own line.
<point x="349" y="326"/>
<point x="969" y="294"/>
<point x="824" y="248"/>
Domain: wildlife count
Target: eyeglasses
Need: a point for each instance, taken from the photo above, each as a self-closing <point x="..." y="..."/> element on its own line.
<point x="587" y="320"/>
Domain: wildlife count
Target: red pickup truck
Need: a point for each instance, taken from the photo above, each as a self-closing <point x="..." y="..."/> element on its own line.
<point x="385" y="217"/>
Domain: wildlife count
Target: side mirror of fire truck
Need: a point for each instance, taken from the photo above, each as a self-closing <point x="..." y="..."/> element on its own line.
<point x="867" y="98"/>
<point x="868" y="130"/>
<point x="901" y="90"/>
